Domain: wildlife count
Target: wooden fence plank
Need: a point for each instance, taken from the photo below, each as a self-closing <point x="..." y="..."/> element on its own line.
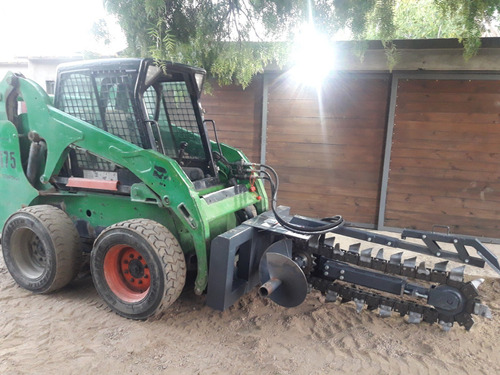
<point x="329" y="154"/>
<point x="238" y="115"/>
<point x="445" y="158"/>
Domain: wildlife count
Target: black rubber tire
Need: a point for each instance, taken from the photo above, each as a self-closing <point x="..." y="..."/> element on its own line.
<point x="161" y="252"/>
<point x="41" y="248"/>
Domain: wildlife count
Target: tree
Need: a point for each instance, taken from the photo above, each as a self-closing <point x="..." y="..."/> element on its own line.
<point x="235" y="39"/>
<point x="466" y="20"/>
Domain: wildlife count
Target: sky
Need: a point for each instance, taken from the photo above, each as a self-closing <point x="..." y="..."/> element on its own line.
<point x="34" y="28"/>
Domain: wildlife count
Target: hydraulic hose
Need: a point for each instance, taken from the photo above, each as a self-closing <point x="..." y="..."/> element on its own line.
<point x="266" y="172"/>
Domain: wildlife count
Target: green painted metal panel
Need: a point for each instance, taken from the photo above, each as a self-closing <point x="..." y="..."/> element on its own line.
<point x="15" y="189"/>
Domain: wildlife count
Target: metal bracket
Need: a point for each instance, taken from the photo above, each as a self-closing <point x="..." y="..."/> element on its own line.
<point x="234" y="264"/>
<point x="460" y="243"/>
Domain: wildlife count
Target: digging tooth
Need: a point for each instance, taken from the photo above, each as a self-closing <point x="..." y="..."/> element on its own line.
<point x="359" y="304"/>
<point x="446" y="326"/>
<point x="337" y="250"/>
<point x="366" y="255"/>
<point x="331" y="296"/>
<point x="482" y="310"/>
<point x="422" y="270"/>
<point x="355" y="248"/>
<point x="394" y="266"/>
<point x="409" y="268"/>
<point x="477" y="283"/>
<point x="380" y="254"/>
<point x="396" y="258"/>
<point x="352" y="255"/>
<point x="438" y="273"/>
<point x="457" y="274"/>
<point x="410" y="263"/>
<point x="441" y="266"/>
<point x="329" y="241"/>
<point x="379" y="263"/>
<point x="416" y="313"/>
<point x="414" y="317"/>
<point x="385" y="311"/>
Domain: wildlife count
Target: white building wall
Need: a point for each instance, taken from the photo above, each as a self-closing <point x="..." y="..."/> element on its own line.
<point x="20" y="66"/>
<point x="40" y="69"/>
<point x="43" y="70"/>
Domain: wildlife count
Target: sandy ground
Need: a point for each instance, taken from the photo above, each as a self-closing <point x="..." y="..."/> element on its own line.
<point x="72" y="331"/>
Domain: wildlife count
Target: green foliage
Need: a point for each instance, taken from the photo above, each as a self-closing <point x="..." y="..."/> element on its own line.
<point x="470" y="16"/>
<point x="100" y="31"/>
<point x="235" y="39"/>
<point x="215" y="35"/>
<point x="423" y="19"/>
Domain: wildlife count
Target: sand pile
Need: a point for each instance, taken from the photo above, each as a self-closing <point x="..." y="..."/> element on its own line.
<point x="73" y="331"/>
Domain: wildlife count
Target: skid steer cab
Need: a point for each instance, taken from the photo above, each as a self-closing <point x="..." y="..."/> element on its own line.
<point x="119" y="165"/>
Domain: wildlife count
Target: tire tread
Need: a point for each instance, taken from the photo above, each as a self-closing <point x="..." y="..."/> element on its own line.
<point x="65" y="239"/>
<point x="168" y="251"/>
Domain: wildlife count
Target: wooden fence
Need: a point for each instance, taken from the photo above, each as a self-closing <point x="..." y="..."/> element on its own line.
<point x="383" y="150"/>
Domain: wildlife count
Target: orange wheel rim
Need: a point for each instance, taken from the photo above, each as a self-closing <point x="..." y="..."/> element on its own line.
<point x="127" y="273"/>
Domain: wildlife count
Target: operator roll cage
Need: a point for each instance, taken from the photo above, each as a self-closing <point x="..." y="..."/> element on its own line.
<point x="138" y="76"/>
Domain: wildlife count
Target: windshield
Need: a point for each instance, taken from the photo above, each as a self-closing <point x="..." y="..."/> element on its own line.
<point x="171" y="106"/>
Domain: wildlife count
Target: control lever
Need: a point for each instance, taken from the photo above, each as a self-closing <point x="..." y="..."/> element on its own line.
<point x="182" y="148"/>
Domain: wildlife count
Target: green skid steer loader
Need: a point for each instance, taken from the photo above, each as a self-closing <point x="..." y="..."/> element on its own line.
<point x="119" y="165"/>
